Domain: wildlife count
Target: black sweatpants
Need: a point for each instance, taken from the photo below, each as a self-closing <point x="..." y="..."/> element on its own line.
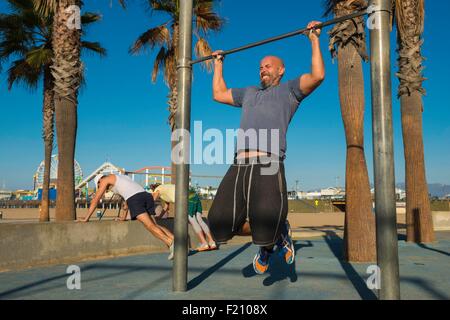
<point x="247" y="192"/>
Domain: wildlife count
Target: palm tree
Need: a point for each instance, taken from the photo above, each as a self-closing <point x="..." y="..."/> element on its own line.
<point x="66" y="70"/>
<point x="165" y="38"/>
<point x="347" y="44"/>
<point x="27" y="38"/>
<point x="410" y="26"/>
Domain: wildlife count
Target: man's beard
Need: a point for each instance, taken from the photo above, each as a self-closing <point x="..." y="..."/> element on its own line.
<point x="268" y="83"/>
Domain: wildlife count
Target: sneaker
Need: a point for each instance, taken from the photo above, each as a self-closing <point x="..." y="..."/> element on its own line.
<point x="285" y="244"/>
<point x="261" y="261"/>
<point x="170" y="257"/>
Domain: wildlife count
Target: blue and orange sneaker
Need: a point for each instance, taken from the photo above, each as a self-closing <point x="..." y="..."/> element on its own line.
<point x="285" y="244"/>
<point x="261" y="261"/>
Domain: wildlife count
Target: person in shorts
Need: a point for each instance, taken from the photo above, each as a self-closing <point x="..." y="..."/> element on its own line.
<point x="140" y="203"/>
<point x="252" y="197"/>
<point x="166" y="192"/>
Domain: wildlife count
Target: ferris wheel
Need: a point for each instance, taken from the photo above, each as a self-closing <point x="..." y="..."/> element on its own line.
<point x="39" y="175"/>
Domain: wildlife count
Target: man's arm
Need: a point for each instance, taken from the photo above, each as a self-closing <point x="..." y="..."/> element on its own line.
<point x="309" y="82"/>
<point x="98" y="195"/>
<point x="220" y="91"/>
<point x="124" y="212"/>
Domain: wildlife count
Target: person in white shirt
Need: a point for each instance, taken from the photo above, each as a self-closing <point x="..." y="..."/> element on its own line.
<point x="141" y="204"/>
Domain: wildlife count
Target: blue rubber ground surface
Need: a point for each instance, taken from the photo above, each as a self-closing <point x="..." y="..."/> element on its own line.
<point x="318" y="273"/>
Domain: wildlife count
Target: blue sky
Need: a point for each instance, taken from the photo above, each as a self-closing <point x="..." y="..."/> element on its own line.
<point x="122" y="116"/>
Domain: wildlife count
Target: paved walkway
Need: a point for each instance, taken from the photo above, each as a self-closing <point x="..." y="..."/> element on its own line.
<point x="318" y="273"/>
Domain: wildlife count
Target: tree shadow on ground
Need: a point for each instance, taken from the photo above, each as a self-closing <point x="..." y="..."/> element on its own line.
<point x="424" y="246"/>
<point x="278" y="269"/>
<point x="336" y="245"/>
<point x="200" y="278"/>
<point x="402" y="237"/>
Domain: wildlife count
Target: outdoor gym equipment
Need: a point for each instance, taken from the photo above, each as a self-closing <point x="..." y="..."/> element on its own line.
<point x="386" y="232"/>
<point x="286" y="35"/>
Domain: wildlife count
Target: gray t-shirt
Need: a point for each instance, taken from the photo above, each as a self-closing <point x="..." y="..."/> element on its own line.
<point x="264" y="110"/>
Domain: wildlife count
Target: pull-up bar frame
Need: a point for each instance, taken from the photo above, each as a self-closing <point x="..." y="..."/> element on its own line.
<point x="387" y="247"/>
<point x="286" y="35"/>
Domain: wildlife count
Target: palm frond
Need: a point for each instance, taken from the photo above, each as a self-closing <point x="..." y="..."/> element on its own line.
<point x="350" y="32"/>
<point x="25" y="36"/>
<point x="208" y="21"/>
<point x="94" y="47"/>
<point x="330" y="6"/>
<point x="205" y="17"/>
<point x="10" y="22"/>
<point x="166" y="36"/>
<point x="170" y="67"/>
<point x="45" y="7"/>
<point x="90" y="17"/>
<point x="167" y="6"/>
<point x="20" y="5"/>
<point x="38" y="57"/>
<point x="21" y="71"/>
<point x="156" y="36"/>
<point x="160" y="62"/>
<point x="203" y="49"/>
<point x="10" y="48"/>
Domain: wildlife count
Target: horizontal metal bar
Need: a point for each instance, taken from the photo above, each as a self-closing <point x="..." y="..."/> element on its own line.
<point x="286" y="35"/>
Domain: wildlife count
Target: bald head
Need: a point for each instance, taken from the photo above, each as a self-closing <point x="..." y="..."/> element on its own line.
<point x="271" y="70"/>
<point x="274" y="60"/>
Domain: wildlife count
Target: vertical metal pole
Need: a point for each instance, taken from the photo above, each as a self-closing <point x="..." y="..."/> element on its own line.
<point x="184" y="70"/>
<point x="383" y="151"/>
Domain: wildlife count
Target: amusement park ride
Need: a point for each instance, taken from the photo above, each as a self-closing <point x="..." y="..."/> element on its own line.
<point x="144" y="176"/>
<point x="38" y="177"/>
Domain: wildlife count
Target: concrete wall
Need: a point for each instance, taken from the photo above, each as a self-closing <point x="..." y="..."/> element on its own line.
<point x="441" y="220"/>
<point x="25" y="245"/>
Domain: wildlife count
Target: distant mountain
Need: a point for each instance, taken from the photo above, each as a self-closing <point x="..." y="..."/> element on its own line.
<point x="435" y="189"/>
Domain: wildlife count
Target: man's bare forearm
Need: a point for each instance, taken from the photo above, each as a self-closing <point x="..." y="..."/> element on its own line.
<point x="318" y="66"/>
<point x="219" y="85"/>
<point x="220" y="91"/>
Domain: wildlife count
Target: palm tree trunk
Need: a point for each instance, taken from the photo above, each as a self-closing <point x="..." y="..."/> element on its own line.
<point x="67" y="73"/>
<point x="48" y="114"/>
<point x="359" y="232"/>
<point x="173" y="104"/>
<point x="410" y="25"/>
<point x="173" y="95"/>
<point x="347" y="43"/>
<point x="419" y="222"/>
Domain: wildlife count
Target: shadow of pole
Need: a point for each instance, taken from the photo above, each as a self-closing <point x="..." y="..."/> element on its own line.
<point x="200" y="278"/>
<point x="36" y="287"/>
